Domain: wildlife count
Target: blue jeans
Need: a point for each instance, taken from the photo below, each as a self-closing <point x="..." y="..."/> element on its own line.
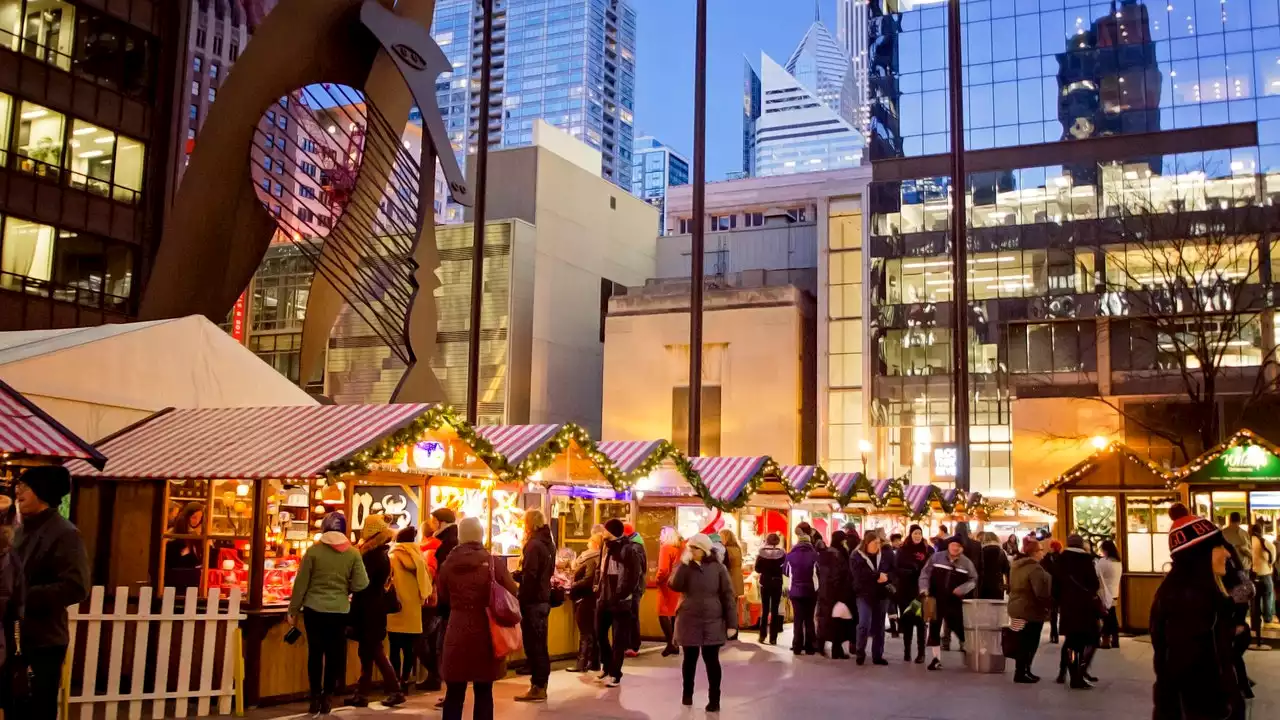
<point x="1267" y="596"/>
<point x="871" y="624"/>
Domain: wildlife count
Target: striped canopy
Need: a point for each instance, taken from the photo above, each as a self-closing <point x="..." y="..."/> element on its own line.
<point x="798" y="476"/>
<point x="880" y="488"/>
<point x="247" y="443"/>
<point x="26" y="430"/>
<point x="917" y="496"/>
<point x="517" y="442"/>
<point x="726" y="477"/>
<point x="629" y="455"/>
<point x="845" y="482"/>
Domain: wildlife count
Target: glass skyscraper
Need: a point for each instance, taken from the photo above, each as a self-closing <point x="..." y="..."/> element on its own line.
<point x="1081" y="118"/>
<point x="569" y="62"/>
<point x="657" y="167"/>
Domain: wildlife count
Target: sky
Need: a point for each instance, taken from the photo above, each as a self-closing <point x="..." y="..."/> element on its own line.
<point x="735" y="29"/>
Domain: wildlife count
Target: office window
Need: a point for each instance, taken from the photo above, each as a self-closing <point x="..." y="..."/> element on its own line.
<point x="201" y="38"/>
<point x="754" y="219"/>
<point x="280" y="143"/>
<point x="213" y="94"/>
<point x="48" y="32"/>
<point x="191" y="133"/>
<point x="282" y="122"/>
<point x="268" y="141"/>
<point x="213" y="70"/>
<point x="308" y="169"/>
<point x="193" y="113"/>
<point x="306" y="191"/>
<point x="266" y="162"/>
<point x="195" y="87"/>
<point x="308" y="145"/>
<point x="131" y="158"/>
<point x="266" y="184"/>
<point x="277" y="190"/>
<point x="271" y="117"/>
<point x="217" y="44"/>
<point x="26" y="252"/>
<point x="278" y="167"/>
<point x="6" y="118"/>
<point x="305" y="215"/>
<point x="91" y="157"/>
<point x="723" y="222"/>
<point x="40" y="140"/>
<point x="235" y="51"/>
<point x="196" y="62"/>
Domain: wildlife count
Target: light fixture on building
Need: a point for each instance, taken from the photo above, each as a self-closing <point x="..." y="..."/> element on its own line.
<point x="1099" y="442"/>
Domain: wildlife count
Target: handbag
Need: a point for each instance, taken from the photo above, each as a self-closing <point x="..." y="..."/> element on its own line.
<point x="930" y="608"/>
<point x="503" y="608"/>
<point x="1009" y="642"/>
<point x="506" y="640"/>
<point x="390" y="598"/>
<point x="841" y="612"/>
<point x="18" y="683"/>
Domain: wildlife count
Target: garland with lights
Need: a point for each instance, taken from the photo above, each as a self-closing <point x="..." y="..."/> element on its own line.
<point x="768" y="470"/>
<point x="1239" y="438"/>
<point x="435" y="418"/>
<point x="1075" y="472"/>
<point x="819" y="481"/>
<point x="627" y="481"/>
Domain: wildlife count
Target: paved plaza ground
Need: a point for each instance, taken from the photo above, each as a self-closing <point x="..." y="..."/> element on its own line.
<point x="763" y="682"/>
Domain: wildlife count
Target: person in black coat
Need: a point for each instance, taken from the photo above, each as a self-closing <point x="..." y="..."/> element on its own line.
<point x="770" y="563"/>
<point x="368" y="615"/>
<point x="1193" y="629"/>
<point x="622" y="575"/>
<point x="1080" y="610"/>
<point x="1050" y="563"/>
<point x="871" y="584"/>
<point x="993" y="573"/>
<point x="835" y="585"/>
<point x="909" y="560"/>
<point x="537" y="564"/>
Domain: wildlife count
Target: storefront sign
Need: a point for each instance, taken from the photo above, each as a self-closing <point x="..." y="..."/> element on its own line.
<point x="946" y="461"/>
<point x="1244" y="463"/>
<point x="237" y="319"/>
<point x="428" y="455"/>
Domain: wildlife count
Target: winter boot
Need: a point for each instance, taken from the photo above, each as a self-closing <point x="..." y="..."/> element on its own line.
<point x="713" y="701"/>
<point x="535" y="694"/>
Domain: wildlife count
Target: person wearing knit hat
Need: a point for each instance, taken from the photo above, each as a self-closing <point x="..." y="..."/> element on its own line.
<point x="622" y="578"/>
<point x="56" y="568"/>
<point x="1079" y="617"/>
<point x="1193" y="628"/>
<point x="634" y="650"/>
<point x="1050" y="563"/>
<point x="708" y="612"/>
<point x="369" y="614"/>
<point x="1030" y="597"/>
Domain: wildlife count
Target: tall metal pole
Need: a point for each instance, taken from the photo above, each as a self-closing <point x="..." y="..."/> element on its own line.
<point x="478" y="218"/>
<point x="959" y="249"/>
<point x="699" y="231"/>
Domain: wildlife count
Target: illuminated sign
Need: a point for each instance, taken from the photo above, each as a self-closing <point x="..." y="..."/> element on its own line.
<point x="1240" y="463"/>
<point x="428" y="455"/>
<point x="946" y="462"/>
<point x="1245" y="458"/>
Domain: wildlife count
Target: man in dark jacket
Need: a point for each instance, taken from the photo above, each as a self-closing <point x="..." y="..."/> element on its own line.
<point x="802" y="562"/>
<point x="534" y="576"/>
<point x="56" y="569"/>
<point x="442" y="524"/>
<point x="622" y="573"/>
<point x="770" y="563"/>
<point x="947" y="578"/>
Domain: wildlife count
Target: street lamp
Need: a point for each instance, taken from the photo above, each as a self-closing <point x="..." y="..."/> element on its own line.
<point x="864" y="449"/>
<point x="1099" y="442"/>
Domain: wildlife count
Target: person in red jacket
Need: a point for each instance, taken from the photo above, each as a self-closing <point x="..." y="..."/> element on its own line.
<point x="668" y="599"/>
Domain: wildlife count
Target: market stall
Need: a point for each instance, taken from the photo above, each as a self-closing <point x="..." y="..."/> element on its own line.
<point x="1241" y="475"/>
<point x="29" y="436"/>
<point x="811" y="499"/>
<point x="1017" y="517"/>
<point x="244" y="492"/>
<point x="1112" y="483"/>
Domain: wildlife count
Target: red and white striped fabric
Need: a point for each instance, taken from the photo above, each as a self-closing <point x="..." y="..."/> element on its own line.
<point x="880" y="488"/>
<point x="629" y="455"/>
<point x="798" y="476"/>
<point x="726" y="477"/>
<point x="517" y="442"/>
<point x="918" y="496"/>
<point x="248" y="443"/>
<point x="27" y="430"/>
<point x="844" y="482"/>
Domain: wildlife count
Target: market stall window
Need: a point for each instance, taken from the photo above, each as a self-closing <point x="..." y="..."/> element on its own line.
<point x="1094" y="517"/>
<point x="505" y="528"/>
<point x="1147" y="533"/>
<point x="295" y="512"/>
<point x="208" y="534"/>
<point x="398" y="503"/>
<point x="755" y="525"/>
<point x="649" y="523"/>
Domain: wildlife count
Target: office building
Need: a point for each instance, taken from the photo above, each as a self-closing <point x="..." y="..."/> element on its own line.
<point x="804" y="231"/>
<point x="568" y="62"/>
<point x="1084" y="124"/>
<point x="87" y="104"/>
<point x="750" y="116"/>
<point x="851" y="33"/>
<point x="656" y="167"/>
<point x="801" y="118"/>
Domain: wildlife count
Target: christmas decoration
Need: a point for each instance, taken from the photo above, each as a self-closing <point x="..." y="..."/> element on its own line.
<point x="1075" y="472"/>
<point x="1241" y="438"/>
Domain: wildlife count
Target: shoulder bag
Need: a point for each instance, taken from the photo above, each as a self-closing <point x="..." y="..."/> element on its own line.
<point x="504" y="632"/>
<point x="17" y="686"/>
<point x="390" y="598"/>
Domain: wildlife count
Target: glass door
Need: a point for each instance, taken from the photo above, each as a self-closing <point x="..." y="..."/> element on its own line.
<point x="1264" y="509"/>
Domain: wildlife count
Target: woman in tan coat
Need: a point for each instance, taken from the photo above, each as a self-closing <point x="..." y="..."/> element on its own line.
<point x="413" y="587"/>
<point x="733" y="563"/>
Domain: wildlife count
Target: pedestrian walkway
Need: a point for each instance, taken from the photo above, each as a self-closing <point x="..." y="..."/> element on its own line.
<point x="767" y="682"/>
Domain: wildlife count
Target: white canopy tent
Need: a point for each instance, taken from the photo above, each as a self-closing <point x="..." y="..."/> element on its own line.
<point x="98" y="380"/>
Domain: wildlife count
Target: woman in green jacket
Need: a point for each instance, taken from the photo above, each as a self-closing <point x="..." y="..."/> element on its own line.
<point x="331" y="570"/>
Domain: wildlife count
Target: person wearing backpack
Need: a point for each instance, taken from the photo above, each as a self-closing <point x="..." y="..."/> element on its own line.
<point x="468" y="657"/>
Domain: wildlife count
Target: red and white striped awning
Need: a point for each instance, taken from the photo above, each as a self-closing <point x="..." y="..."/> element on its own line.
<point x="628" y="455"/>
<point x="798" y="476"/>
<point x="247" y="443"/>
<point x="918" y="496"/>
<point x="517" y="442"/>
<point x="726" y="477"/>
<point x="879" y="488"/>
<point x="28" y="431"/>
<point x="845" y="482"/>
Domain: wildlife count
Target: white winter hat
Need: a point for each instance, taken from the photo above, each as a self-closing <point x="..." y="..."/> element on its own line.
<point x="702" y="542"/>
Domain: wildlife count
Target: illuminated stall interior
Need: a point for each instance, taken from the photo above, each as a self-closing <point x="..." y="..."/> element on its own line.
<point x="659" y="476"/>
<point x="1241" y="475"/>
<point x="29" y="436"/>
<point x="1093" y="495"/>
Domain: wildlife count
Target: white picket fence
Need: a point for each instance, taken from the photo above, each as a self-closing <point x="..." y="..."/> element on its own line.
<point x="192" y="684"/>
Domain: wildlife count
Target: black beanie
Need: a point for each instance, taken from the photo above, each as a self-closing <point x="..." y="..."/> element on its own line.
<point x="444" y="515"/>
<point x="50" y="483"/>
<point x="615" y="527"/>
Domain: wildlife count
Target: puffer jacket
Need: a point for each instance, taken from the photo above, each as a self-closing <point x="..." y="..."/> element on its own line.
<point x="771" y="564"/>
<point x="709" y="609"/>
<point x="1030" y="590"/>
<point x="802" y="562"/>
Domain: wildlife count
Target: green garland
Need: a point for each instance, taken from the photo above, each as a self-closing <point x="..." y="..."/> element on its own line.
<point x="385" y="449"/>
<point x="768" y="471"/>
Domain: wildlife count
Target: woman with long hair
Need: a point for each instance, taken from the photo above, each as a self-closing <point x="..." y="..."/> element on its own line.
<point x="369" y="614"/>
<point x="733" y="563"/>
<point x="707" y="613"/>
<point x="413" y="589"/>
<point x="1264" y="558"/>
<point x="871" y="573"/>
<point x="910" y="560"/>
<point x="835" y="587"/>
<point x="1109" y="572"/>
<point x="184" y="556"/>
<point x="1193" y="629"/>
<point x="668" y="599"/>
<point x="582" y="592"/>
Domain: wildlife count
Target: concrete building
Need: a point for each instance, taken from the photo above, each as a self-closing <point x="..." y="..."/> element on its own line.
<point x="570" y="63"/>
<point x="565" y="241"/>
<point x="758" y="367"/>
<point x="87" y="107"/>
<point x="805" y="231"/>
<point x="656" y="168"/>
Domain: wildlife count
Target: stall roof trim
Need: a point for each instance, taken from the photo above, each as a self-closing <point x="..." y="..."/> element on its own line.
<point x="799" y="476"/>
<point x="1243" y="437"/>
<point x="26" y="430"/>
<point x="628" y="456"/>
<point x="726" y="478"/>
<point x="286" y="442"/>
<point x="515" y="443"/>
<point x="845" y="484"/>
<point x="1075" y="472"/>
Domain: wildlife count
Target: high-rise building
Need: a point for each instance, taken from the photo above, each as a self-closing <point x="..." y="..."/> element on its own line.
<point x="87" y="104"/>
<point x="750" y="116"/>
<point x="1098" y="139"/>
<point x="851" y="33"/>
<point x="568" y="62"/>
<point x="797" y="130"/>
<point x="656" y="168"/>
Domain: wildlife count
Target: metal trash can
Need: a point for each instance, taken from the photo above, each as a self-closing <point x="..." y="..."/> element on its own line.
<point x="983" y="622"/>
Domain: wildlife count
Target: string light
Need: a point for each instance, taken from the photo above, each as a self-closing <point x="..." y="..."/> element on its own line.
<point x="1075" y="472"/>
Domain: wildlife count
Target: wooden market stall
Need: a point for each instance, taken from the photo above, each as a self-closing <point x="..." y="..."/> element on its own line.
<point x="239" y="494"/>
<point x="29" y="436"/>
<point x="1240" y="475"/>
<point x="1094" y="494"/>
